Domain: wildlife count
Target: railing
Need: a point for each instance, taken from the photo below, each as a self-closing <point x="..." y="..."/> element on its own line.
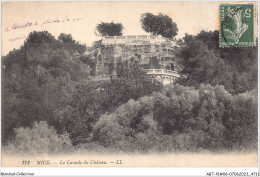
<point x="136" y="36"/>
<point x="131" y="37"/>
<point x="162" y="72"/>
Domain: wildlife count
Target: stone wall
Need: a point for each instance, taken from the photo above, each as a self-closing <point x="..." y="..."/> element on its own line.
<point x="153" y="52"/>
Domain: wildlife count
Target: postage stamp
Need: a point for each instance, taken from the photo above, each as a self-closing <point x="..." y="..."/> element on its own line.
<point x="236" y="25"/>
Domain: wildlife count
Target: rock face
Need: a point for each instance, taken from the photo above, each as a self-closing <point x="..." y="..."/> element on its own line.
<point x="152" y="52"/>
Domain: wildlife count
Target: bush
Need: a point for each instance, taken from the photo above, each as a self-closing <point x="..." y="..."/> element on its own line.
<point x="39" y="139"/>
<point x="181" y="119"/>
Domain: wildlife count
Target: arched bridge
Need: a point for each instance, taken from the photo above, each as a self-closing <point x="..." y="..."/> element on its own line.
<point x="163" y="75"/>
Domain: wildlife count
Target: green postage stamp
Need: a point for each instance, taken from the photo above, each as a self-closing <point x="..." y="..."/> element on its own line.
<point x="236" y="25"/>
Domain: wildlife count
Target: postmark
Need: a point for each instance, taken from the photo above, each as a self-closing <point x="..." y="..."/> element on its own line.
<point x="236" y="25"/>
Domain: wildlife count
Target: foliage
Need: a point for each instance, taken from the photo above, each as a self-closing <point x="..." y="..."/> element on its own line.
<point x="241" y="122"/>
<point x="70" y="44"/>
<point x="159" y="25"/>
<point x="182" y="119"/>
<point x="205" y="62"/>
<point x="36" y="80"/>
<point x="46" y="87"/>
<point x="92" y="99"/>
<point x="132" y="83"/>
<point x="38" y="38"/>
<point x="110" y="29"/>
<point x="40" y="139"/>
<point x="82" y="110"/>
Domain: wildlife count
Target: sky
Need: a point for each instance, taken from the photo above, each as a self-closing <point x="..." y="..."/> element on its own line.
<point x="80" y="18"/>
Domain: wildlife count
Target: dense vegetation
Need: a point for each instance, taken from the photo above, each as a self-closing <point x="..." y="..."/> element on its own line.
<point x="159" y="25"/>
<point x="48" y="96"/>
<point x="109" y="29"/>
<point x="205" y="62"/>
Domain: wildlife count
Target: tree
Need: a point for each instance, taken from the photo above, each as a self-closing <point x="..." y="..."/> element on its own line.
<point x="65" y="38"/>
<point x="110" y="29"/>
<point x="132" y="83"/>
<point x="38" y="38"/>
<point x="40" y="138"/>
<point x="91" y="99"/>
<point x="204" y="62"/>
<point x="201" y="65"/>
<point x="159" y="25"/>
<point x="181" y="118"/>
<point x="240" y="121"/>
<point x="37" y="81"/>
<point x="70" y="44"/>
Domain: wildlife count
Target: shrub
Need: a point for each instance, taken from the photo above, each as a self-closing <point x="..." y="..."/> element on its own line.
<point x="39" y="139"/>
<point x="182" y="119"/>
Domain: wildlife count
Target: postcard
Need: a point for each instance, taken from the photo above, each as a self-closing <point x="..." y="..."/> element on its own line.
<point x="129" y="84"/>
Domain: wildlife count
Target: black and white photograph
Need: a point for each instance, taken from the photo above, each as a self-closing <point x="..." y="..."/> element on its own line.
<point x="129" y="84"/>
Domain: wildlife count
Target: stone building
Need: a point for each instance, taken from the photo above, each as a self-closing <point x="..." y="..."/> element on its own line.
<point x="152" y="52"/>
